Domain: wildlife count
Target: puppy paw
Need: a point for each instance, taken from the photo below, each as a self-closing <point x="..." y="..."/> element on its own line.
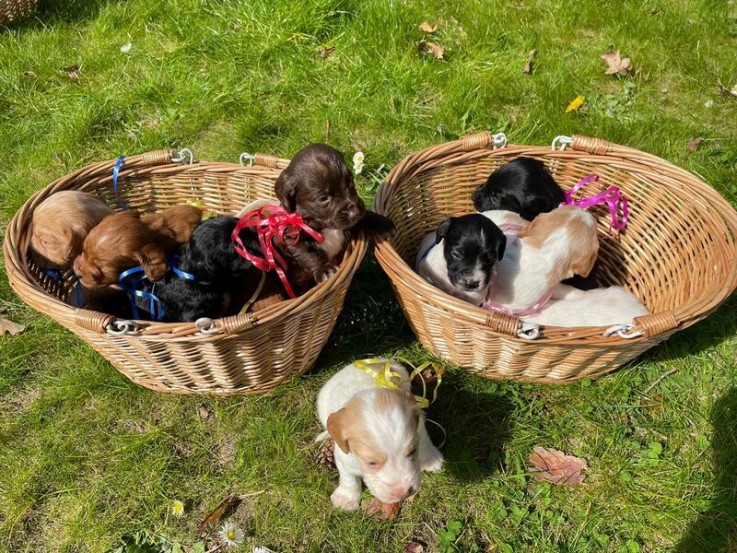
<point x="345" y="501"/>
<point x="432" y="461"/>
<point x="327" y="271"/>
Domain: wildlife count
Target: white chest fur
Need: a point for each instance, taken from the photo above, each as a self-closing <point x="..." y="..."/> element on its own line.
<point x="334" y="244"/>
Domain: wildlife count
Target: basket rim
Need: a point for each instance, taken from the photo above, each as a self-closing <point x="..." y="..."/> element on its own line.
<point x="159" y="162"/>
<point x="486" y="144"/>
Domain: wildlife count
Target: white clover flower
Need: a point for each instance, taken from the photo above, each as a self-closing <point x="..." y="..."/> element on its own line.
<point x="126" y="47"/>
<point x="231" y="535"/>
<point x="358" y="159"/>
<point x="177" y="508"/>
<point x="258" y="549"/>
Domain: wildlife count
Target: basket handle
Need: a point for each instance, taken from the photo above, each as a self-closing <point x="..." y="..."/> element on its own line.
<point x="93" y="321"/>
<point x="591" y="145"/>
<point x="265" y="160"/>
<point x="656" y="323"/>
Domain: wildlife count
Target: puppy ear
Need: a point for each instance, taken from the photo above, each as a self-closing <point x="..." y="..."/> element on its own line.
<point x="583" y="264"/>
<point x="153" y="260"/>
<point x="286" y="190"/>
<point x="501" y="247"/>
<point x="443" y="229"/>
<point x="336" y="429"/>
<point x="537" y="205"/>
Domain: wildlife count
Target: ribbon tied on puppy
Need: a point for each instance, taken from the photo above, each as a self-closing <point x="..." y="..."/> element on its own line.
<point x="385" y="377"/>
<point x="612" y="197"/>
<point x="273" y="223"/>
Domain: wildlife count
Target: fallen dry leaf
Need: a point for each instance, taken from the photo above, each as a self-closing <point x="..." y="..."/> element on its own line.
<point x="695" y="143"/>
<point x="616" y="64"/>
<point x="325" y="51"/>
<point x="557" y="467"/>
<point x="29" y="74"/>
<point x="426" y="47"/>
<point x="413" y="547"/>
<point x="73" y="72"/>
<point x="528" y="66"/>
<point x="426" y="27"/>
<point x="226" y="508"/>
<point x="6" y="325"/>
<point x="204" y="412"/>
<point x="380" y="511"/>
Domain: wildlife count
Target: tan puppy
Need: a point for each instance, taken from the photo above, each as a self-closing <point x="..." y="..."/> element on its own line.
<point x="61" y="223"/>
<point x="380" y="437"/>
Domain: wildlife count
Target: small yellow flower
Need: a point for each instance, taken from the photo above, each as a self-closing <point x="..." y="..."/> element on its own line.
<point x="576" y="103"/>
<point x="177" y="508"/>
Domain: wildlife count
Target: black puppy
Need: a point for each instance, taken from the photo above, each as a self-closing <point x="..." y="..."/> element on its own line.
<point x="218" y="271"/>
<point x="459" y="257"/>
<point x="522" y="186"/>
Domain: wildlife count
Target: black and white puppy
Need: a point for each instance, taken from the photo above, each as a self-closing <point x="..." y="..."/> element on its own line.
<point x="458" y="258"/>
<point x="217" y="268"/>
<point x="522" y="186"/>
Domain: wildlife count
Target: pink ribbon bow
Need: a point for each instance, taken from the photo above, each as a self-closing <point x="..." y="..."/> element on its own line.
<point x="612" y="197"/>
<point x="272" y="223"/>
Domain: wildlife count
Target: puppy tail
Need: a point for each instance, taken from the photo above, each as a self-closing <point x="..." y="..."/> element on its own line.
<point x="322" y="437"/>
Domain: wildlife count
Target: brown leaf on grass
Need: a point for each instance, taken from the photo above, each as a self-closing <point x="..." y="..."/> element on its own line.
<point x="427" y="48"/>
<point x="426" y="27"/>
<point x="695" y="143"/>
<point x="378" y="510"/>
<point x="73" y="72"/>
<point x="616" y="64"/>
<point x="204" y="412"/>
<point x="6" y="325"/>
<point x="413" y="547"/>
<point x="325" y="51"/>
<point x="30" y="74"/>
<point x="212" y="521"/>
<point x="530" y="57"/>
<point x="557" y="467"/>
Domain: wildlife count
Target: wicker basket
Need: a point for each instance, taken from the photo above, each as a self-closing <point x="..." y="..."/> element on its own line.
<point x="677" y="255"/>
<point x="10" y="10"/>
<point x="234" y="355"/>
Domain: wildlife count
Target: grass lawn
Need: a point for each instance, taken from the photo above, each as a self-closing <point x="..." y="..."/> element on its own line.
<point x="86" y="456"/>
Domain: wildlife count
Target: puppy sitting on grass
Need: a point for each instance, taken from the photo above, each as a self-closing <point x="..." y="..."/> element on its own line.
<point x="380" y="436"/>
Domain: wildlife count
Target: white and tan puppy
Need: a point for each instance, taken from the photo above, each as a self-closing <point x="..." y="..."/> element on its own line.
<point x="380" y="436"/>
<point x="597" y="307"/>
<point x="554" y="247"/>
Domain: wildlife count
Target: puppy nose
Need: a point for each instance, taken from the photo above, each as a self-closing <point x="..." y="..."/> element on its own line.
<point x="470" y="284"/>
<point x="403" y="493"/>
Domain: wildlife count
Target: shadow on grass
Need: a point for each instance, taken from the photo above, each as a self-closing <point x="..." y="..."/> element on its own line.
<point x="715" y="531"/>
<point x="478" y="426"/>
<point x="371" y="323"/>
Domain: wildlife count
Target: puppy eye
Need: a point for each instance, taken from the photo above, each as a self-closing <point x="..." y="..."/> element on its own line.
<point x="372" y="463"/>
<point x="412" y="452"/>
<point x="456" y="255"/>
<point x="323" y="198"/>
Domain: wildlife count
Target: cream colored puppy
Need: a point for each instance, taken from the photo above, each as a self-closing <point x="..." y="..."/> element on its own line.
<point x="380" y="437"/>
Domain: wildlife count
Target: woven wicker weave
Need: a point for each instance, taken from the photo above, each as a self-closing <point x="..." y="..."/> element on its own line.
<point x="677" y="255"/>
<point x="10" y="10"/>
<point x="233" y="355"/>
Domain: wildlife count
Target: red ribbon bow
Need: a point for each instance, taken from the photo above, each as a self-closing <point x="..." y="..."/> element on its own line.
<point x="272" y="224"/>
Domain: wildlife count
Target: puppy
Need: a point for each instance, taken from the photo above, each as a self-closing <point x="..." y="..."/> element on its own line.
<point x="318" y="185"/>
<point x="597" y="307"/>
<point x="458" y="258"/>
<point x="124" y="240"/>
<point x="218" y="271"/>
<point x="523" y="186"/>
<point x="380" y="437"/>
<point x="60" y="224"/>
<point x="508" y="221"/>
<point x="555" y="246"/>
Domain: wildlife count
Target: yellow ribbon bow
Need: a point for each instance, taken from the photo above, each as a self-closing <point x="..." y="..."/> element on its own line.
<point x="386" y="377"/>
<point x="199" y="204"/>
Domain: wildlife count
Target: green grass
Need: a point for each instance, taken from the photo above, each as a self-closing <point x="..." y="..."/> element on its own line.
<point x="86" y="456"/>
